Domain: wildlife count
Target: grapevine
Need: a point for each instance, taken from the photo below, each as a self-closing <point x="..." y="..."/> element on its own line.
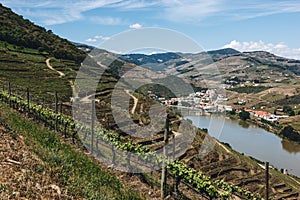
<point x="200" y="182"/>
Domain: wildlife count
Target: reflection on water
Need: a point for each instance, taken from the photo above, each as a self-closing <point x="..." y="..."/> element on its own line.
<point x="253" y="141"/>
<point x="289" y="146"/>
<point x="244" y="124"/>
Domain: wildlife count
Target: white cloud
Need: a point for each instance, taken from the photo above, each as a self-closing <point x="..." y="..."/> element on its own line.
<point x="101" y="37"/>
<point x="96" y="38"/>
<point x="135" y="4"/>
<point x="192" y="11"/>
<point x="135" y="26"/>
<point x="91" y="40"/>
<point x="107" y="20"/>
<point x="280" y="49"/>
<point x="53" y="12"/>
<point x="196" y="10"/>
<point x="268" y="7"/>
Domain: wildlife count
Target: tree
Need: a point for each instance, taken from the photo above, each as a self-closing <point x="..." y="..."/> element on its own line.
<point x="289" y="132"/>
<point x="291" y="113"/>
<point x="232" y="112"/>
<point x="41" y="49"/>
<point x="288" y="110"/>
<point x="244" y="115"/>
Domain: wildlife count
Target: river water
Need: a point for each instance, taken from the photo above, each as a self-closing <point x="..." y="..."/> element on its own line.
<point x="252" y="141"/>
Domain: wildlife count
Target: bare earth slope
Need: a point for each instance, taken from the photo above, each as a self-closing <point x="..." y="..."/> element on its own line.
<point x="23" y="174"/>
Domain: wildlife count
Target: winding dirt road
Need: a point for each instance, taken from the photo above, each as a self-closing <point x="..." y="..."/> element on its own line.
<point x="61" y="74"/>
<point x="135" y="101"/>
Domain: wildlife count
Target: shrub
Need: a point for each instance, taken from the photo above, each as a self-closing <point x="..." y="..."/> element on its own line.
<point x="244" y="115"/>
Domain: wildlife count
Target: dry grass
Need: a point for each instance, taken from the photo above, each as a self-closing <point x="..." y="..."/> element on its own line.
<point x="43" y="166"/>
<point x="23" y="174"/>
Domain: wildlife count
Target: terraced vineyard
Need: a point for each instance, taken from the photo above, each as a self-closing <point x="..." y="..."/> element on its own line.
<point x="220" y="164"/>
<point x="27" y="68"/>
<point x="190" y="177"/>
<point x="199" y="181"/>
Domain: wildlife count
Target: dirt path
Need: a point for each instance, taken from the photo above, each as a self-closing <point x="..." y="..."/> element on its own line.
<point x="74" y="92"/>
<point x="87" y="98"/>
<point x="135" y="101"/>
<point x="221" y="145"/>
<point x="61" y="74"/>
<point x="177" y="134"/>
<point x="51" y="68"/>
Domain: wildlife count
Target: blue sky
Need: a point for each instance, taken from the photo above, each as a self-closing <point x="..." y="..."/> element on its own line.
<point x="248" y="25"/>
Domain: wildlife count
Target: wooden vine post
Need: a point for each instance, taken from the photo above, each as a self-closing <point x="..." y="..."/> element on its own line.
<point x="56" y="103"/>
<point x="28" y="100"/>
<point x="163" y="186"/>
<point x="176" y="180"/>
<point x="93" y="125"/>
<point x="56" y="111"/>
<point x="43" y="102"/>
<point x="9" y="88"/>
<point x="9" y="92"/>
<point x="151" y="177"/>
<point x="61" y="107"/>
<point x="113" y="154"/>
<point x="174" y="145"/>
<point x="65" y="130"/>
<point x="267" y="180"/>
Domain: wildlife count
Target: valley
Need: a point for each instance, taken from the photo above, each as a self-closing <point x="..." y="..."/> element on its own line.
<point x="83" y="123"/>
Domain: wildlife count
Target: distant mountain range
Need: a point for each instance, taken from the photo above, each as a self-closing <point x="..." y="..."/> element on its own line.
<point x="227" y="51"/>
<point x="142" y="59"/>
<point x="229" y="61"/>
<point x="261" y="65"/>
<point x="256" y="65"/>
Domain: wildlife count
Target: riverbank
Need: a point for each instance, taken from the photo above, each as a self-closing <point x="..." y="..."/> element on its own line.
<point x="268" y="126"/>
<point x="240" y="161"/>
<point x="249" y="139"/>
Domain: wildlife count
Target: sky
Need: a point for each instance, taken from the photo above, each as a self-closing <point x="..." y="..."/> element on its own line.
<point x="248" y="25"/>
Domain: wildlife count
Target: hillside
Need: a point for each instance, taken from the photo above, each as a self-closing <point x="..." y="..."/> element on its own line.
<point x="27" y="68"/>
<point x="24" y="49"/>
<point x="142" y="59"/>
<point x="274" y="79"/>
<point x="227" y="51"/>
<point x="103" y="109"/>
<point x="229" y="62"/>
<point x="72" y="167"/>
<point x="18" y="31"/>
<point x="221" y="163"/>
<point x="36" y="163"/>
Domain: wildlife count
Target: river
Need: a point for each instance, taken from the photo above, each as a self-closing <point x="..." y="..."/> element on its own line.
<point x="253" y="141"/>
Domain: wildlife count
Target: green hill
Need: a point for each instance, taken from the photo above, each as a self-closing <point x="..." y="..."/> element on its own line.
<point x="25" y="53"/>
<point x="16" y="30"/>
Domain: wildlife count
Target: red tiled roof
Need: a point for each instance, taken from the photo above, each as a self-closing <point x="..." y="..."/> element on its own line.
<point x="262" y="113"/>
